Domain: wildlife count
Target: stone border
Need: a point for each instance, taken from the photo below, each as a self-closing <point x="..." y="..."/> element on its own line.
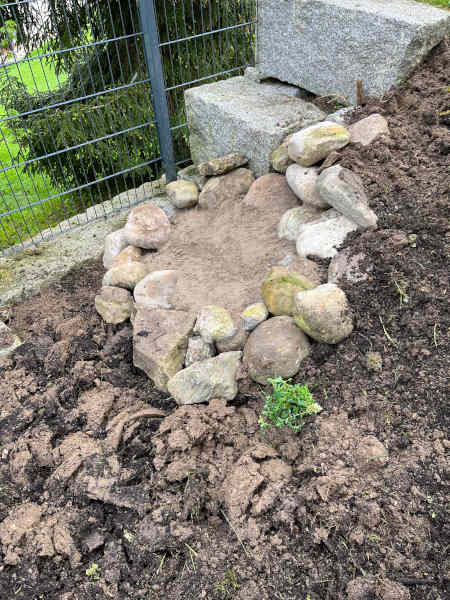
<point x="199" y="357"/>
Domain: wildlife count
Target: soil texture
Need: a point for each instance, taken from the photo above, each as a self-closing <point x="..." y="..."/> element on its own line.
<point x="108" y="490"/>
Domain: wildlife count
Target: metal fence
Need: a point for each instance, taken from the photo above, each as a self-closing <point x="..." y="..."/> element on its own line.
<point x="91" y="101"/>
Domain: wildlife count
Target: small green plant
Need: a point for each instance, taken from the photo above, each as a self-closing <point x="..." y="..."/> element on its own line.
<point x="93" y="572"/>
<point x="229" y="583"/>
<point x="287" y="406"/>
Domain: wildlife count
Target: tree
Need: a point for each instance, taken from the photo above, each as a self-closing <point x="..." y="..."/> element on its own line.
<point x="72" y="34"/>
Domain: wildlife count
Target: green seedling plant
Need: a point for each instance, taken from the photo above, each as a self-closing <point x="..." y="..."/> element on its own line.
<point x="287" y="406"/>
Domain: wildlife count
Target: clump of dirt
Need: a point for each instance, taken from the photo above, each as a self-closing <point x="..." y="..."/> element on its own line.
<point x="107" y="490"/>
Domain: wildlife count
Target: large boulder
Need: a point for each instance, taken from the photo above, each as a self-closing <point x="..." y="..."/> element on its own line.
<point x="294" y="218"/>
<point x="312" y="144"/>
<point x="215" y="324"/>
<point x="323" y="237"/>
<point x="326" y="46"/>
<point x="240" y="114"/>
<point x="302" y="181"/>
<point x="114" y="304"/>
<point x="232" y="185"/>
<point x="324" y="313"/>
<point x="126" y="275"/>
<point x="279" y="288"/>
<point x="160" y="339"/>
<point x="203" y="381"/>
<point x="275" y="348"/>
<point x="147" y="227"/>
<point x="344" y="191"/>
<point x="222" y="164"/>
<point x="156" y="290"/>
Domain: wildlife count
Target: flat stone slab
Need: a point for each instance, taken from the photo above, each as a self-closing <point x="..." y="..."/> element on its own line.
<point x="241" y="115"/>
<point x="326" y="46"/>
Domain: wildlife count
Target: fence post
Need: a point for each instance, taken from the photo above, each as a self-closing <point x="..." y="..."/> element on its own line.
<point x="149" y="28"/>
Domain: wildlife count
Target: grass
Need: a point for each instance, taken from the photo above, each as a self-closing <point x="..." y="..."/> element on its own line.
<point x="18" y="188"/>
<point x="439" y="3"/>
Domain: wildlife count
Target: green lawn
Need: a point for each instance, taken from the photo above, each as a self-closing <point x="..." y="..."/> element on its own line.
<point x="17" y="187"/>
<point x="439" y="3"/>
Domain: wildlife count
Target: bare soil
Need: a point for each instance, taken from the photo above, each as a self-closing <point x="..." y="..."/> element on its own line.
<point x="199" y="504"/>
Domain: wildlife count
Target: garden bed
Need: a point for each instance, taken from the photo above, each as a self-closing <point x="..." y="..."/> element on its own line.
<point x="94" y="506"/>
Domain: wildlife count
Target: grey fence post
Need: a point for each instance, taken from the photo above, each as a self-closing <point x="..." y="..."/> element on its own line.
<point x="149" y="27"/>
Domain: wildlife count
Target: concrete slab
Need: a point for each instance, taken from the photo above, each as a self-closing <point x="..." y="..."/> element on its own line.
<point x="326" y="46"/>
<point x="241" y="115"/>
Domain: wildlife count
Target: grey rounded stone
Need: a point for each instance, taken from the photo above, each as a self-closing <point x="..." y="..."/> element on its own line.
<point x="203" y="381"/>
<point x="367" y="130"/>
<point x="276" y="348"/>
<point x="323" y="237"/>
<point x="293" y="219"/>
<point x="344" y="191"/>
<point x="114" y="304"/>
<point x="324" y="313"/>
<point x="302" y="181"/>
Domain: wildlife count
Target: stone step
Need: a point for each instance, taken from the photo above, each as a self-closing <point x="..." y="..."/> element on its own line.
<point x="326" y="46"/>
<point x="241" y="115"/>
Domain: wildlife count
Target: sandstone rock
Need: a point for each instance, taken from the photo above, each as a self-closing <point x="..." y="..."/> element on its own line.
<point x="147" y="227"/>
<point x="302" y="181"/>
<point x="203" y="381"/>
<point x="279" y="288"/>
<point x="214" y="324"/>
<point x="315" y="142"/>
<point x="127" y="255"/>
<point x="114" y="304"/>
<point x="126" y="275"/>
<point x="275" y="349"/>
<point x="231" y="186"/>
<point x="279" y="159"/>
<point x="160" y="339"/>
<point x="294" y="218"/>
<point x="344" y="191"/>
<point x="254" y="315"/>
<point x="115" y="242"/>
<point x="9" y="341"/>
<point x="347" y="266"/>
<point x="182" y="194"/>
<point x="324" y="314"/>
<point x="192" y="174"/>
<point x="156" y="290"/>
<point x="234" y="343"/>
<point x="223" y="164"/>
<point x="321" y="238"/>
<point x="367" y="130"/>
<point x="198" y="350"/>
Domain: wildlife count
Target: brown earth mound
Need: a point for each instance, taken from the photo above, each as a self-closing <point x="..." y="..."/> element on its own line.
<point x="102" y="498"/>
